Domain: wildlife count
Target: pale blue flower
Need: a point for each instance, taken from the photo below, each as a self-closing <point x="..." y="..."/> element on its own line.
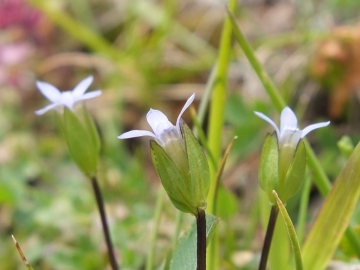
<point x="163" y="129"/>
<point x="289" y="133"/>
<point x="66" y="98"/>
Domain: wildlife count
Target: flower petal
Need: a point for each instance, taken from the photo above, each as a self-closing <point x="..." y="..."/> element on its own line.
<point x="288" y="120"/>
<point x="80" y="89"/>
<point x="158" y="121"/>
<point x="271" y="122"/>
<point x="187" y="104"/>
<point x="89" y="95"/>
<point x="47" y="108"/>
<point x="49" y="91"/>
<point x="310" y="128"/>
<point x="136" y="133"/>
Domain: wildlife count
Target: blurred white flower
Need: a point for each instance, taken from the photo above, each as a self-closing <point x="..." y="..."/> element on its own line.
<point x="66" y="98"/>
<point x="162" y="127"/>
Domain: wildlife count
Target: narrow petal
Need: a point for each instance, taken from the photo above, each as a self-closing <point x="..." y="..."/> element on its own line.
<point x="158" y="121"/>
<point x="310" y="128"/>
<point x="136" y="133"/>
<point x="89" y="95"/>
<point x="187" y="104"/>
<point x="49" y="91"/>
<point x="80" y="89"/>
<point x="47" y="108"/>
<point x="271" y="122"/>
<point x="288" y="120"/>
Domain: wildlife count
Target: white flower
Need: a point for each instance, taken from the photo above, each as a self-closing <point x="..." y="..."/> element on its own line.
<point x="289" y="132"/>
<point x="162" y="127"/>
<point x="66" y="98"/>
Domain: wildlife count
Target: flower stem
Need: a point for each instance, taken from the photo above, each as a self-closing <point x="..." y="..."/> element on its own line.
<point x="268" y="237"/>
<point x="201" y="240"/>
<point x="100" y="204"/>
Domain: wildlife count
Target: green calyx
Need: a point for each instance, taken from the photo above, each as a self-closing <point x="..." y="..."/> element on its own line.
<point x="184" y="171"/>
<point x="283" y="169"/>
<point x="82" y="139"/>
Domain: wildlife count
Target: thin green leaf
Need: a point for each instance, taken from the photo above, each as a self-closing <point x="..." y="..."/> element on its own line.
<point x="291" y="231"/>
<point x="334" y="216"/>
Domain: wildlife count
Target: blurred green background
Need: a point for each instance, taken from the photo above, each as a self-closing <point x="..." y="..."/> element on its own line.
<point x="147" y="53"/>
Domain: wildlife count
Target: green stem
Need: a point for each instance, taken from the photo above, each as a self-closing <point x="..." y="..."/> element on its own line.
<point x="155" y="228"/>
<point x="216" y="122"/>
<point x="268" y="237"/>
<point x="201" y="240"/>
<point x="268" y="84"/>
<point x="100" y="204"/>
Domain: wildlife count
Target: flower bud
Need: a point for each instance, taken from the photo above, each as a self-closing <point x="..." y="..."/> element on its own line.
<point x="183" y="169"/>
<point x="82" y="139"/>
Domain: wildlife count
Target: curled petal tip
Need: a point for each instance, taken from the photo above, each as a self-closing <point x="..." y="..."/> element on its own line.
<point x="312" y="127"/>
<point x="267" y="119"/>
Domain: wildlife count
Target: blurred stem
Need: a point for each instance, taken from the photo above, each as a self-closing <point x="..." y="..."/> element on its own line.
<point x="78" y="31"/>
<point x="304" y="202"/>
<point x="22" y="255"/>
<point x="216" y="122"/>
<point x="178" y="222"/>
<point x="268" y="237"/>
<point x="155" y="228"/>
<point x="100" y="204"/>
<point x="268" y="84"/>
<point x="201" y="240"/>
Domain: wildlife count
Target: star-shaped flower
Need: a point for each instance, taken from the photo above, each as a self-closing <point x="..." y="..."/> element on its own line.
<point x="161" y="126"/>
<point x="66" y="98"/>
<point x="289" y="132"/>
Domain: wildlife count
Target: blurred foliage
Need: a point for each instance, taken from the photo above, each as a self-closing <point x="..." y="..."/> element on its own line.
<point x="155" y="54"/>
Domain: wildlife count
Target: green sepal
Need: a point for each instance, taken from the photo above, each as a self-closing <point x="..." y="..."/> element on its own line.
<point x="91" y="129"/>
<point x="269" y="166"/>
<point x="171" y="179"/>
<point x="81" y="146"/>
<point x="295" y="174"/>
<point x="198" y="167"/>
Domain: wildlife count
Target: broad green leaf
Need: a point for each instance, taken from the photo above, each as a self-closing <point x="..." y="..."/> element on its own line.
<point x="291" y="231"/>
<point x="185" y="254"/>
<point x="269" y="166"/>
<point x="173" y="182"/>
<point x="80" y="145"/>
<point x="334" y="216"/>
<point x="198" y="166"/>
